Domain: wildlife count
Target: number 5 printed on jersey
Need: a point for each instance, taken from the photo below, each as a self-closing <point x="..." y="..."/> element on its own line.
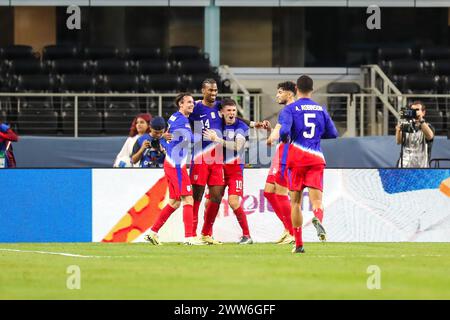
<point x="308" y="124"/>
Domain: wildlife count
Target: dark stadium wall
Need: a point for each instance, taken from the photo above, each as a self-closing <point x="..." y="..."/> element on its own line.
<point x="246" y="37"/>
<point x="6" y="26"/>
<point x="35" y="26"/>
<point x="186" y="27"/>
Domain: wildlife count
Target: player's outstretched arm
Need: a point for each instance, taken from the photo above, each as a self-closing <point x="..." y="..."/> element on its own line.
<point x="274" y="135"/>
<point x="265" y="124"/>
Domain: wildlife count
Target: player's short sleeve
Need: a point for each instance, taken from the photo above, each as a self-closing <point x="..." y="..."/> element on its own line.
<point x="242" y="130"/>
<point x="285" y="120"/>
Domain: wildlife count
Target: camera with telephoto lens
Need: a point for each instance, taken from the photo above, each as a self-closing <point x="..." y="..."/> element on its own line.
<point x="408" y="114"/>
<point x="155" y="144"/>
<point x="154" y="148"/>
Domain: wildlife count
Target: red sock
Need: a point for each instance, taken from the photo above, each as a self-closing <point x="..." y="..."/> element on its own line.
<point x="187" y="219"/>
<point x="274" y="203"/>
<point x="298" y="237"/>
<point x="285" y="208"/>
<point x="319" y="214"/>
<point x="210" y="217"/>
<point x="163" y="216"/>
<point x="242" y="219"/>
<point x="195" y="217"/>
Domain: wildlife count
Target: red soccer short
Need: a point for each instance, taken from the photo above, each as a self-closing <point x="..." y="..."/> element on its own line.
<point x="310" y="176"/>
<point x="178" y="181"/>
<point x="207" y="174"/>
<point x="234" y="179"/>
<point x="276" y="174"/>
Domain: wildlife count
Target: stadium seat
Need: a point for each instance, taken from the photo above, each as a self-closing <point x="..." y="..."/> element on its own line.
<point x="97" y="53"/>
<point x="434" y="53"/>
<point x="179" y="53"/>
<point x="404" y="67"/>
<point x="194" y="82"/>
<point x="55" y="52"/>
<point x="199" y="66"/>
<point x="35" y="83"/>
<point x="343" y="87"/>
<point x="120" y="111"/>
<point x="162" y="83"/>
<point x="121" y="83"/>
<point x="41" y="108"/>
<point x="37" y="119"/>
<point x="168" y="107"/>
<point x="69" y="66"/>
<point x="17" y="52"/>
<point x="142" y="53"/>
<point x="90" y="116"/>
<point x="337" y="106"/>
<point x="386" y="54"/>
<point x="111" y="67"/>
<point x="421" y="83"/>
<point x="437" y="120"/>
<point x="441" y="67"/>
<point x="159" y="66"/>
<point x="77" y="83"/>
<point x="26" y="67"/>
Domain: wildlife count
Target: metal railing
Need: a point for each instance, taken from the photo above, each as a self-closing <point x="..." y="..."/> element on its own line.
<point x="376" y="82"/>
<point x="96" y="114"/>
<point x="111" y="114"/>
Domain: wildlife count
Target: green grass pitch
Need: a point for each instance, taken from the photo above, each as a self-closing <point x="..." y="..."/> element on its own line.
<point x="229" y="271"/>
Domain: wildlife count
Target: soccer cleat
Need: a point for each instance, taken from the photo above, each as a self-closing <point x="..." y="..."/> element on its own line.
<point x="288" y="240"/>
<point x="298" y="250"/>
<point x="245" y="240"/>
<point x="209" y="240"/>
<point x="193" y="241"/>
<point x="283" y="236"/>
<point x="321" y="233"/>
<point x="153" y="239"/>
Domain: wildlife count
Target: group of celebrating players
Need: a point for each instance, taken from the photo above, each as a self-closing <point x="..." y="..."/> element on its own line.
<point x="216" y="137"/>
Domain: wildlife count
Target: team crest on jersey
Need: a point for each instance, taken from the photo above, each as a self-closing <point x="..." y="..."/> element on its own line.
<point x="213" y="115"/>
<point x="172" y="118"/>
<point x="196" y="177"/>
<point x="230" y="134"/>
<point x="188" y="188"/>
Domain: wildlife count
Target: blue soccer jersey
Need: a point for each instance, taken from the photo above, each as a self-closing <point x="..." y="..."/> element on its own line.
<point x="237" y="130"/>
<point x="304" y="123"/>
<point x="178" y="148"/>
<point x="205" y="117"/>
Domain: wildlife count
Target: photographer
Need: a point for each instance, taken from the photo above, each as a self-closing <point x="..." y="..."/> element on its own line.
<point x="7" y="136"/>
<point x="415" y="136"/>
<point x="149" y="149"/>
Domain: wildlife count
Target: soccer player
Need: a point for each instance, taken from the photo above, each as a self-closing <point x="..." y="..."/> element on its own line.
<point x="276" y="188"/>
<point x="303" y="124"/>
<point x="235" y="134"/>
<point x="176" y="172"/>
<point x="207" y="159"/>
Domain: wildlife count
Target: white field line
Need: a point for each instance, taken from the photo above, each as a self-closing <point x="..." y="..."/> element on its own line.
<point x="306" y="255"/>
<point x="72" y="255"/>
